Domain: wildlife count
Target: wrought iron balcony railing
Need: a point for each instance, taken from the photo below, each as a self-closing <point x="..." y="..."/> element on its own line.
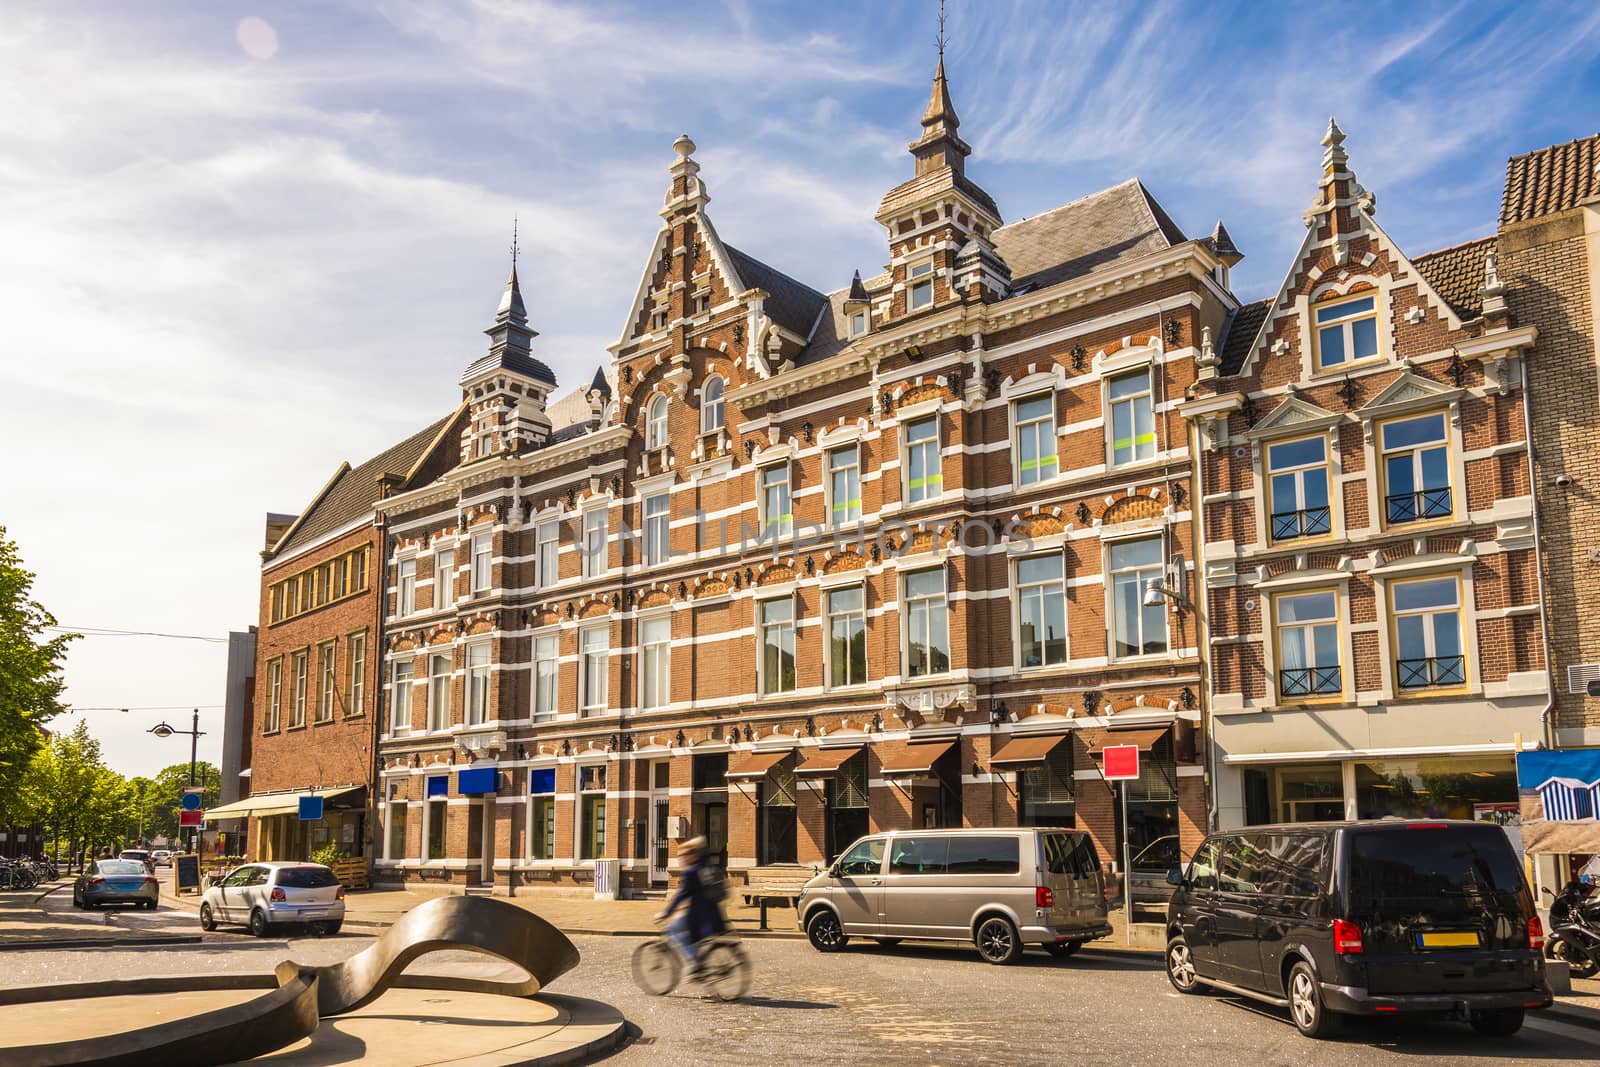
<point x="1309" y="681"/>
<point x="1307" y="522"/>
<point x="1432" y="672"/>
<point x="1418" y="507"/>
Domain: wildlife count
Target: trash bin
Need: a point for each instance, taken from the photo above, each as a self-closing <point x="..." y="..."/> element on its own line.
<point x="607" y="875"/>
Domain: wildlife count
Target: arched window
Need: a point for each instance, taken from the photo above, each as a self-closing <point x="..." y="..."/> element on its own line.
<point x="655" y="430"/>
<point x="711" y="405"/>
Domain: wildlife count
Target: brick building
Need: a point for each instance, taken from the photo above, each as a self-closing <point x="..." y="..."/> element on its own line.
<point x="1369" y="550"/>
<point x="910" y="552"/>
<point x="1549" y="261"/>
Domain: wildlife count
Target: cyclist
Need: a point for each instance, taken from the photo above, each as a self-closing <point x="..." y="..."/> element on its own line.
<point x="697" y="898"/>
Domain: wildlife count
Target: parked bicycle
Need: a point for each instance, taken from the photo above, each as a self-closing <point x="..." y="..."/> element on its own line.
<point x="16" y="876"/>
<point x="724" y="967"/>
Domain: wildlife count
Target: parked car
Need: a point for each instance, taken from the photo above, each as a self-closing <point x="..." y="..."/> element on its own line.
<point x="264" y="895"/>
<point x="161" y="857"/>
<point x="999" y="889"/>
<point x="1361" y="918"/>
<point x="1149" y="868"/>
<point x="118" y="881"/>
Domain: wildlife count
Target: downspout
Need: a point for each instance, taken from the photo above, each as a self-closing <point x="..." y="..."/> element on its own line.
<point x="1202" y="619"/>
<point x="1546" y="721"/>
<point x="381" y="524"/>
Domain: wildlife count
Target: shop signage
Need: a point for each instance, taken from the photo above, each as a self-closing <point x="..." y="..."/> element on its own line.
<point x="1559" y="795"/>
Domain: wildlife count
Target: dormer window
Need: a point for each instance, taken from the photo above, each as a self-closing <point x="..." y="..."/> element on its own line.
<point x="655" y="430"/>
<point x="858" y="322"/>
<point x="1346" y="331"/>
<point x="921" y="276"/>
<point x="711" y="414"/>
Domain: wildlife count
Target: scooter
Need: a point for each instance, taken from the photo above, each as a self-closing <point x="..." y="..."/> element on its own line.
<point x="1575" y="930"/>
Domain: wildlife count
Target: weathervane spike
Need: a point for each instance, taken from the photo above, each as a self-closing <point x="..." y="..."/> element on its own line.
<point x="941" y="31"/>
<point x="513" y="242"/>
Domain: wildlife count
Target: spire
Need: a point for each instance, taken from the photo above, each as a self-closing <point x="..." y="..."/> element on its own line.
<point x="858" y="291"/>
<point x="511" y="306"/>
<point x="687" y="192"/>
<point x="939" y="146"/>
<point x="1334" y="158"/>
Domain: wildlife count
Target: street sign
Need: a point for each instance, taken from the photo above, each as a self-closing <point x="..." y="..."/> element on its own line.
<point x="310" y="809"/>
<point x="191" y="802"/>
<point x="191" y="817"/>
<point x="1121" y="762"/>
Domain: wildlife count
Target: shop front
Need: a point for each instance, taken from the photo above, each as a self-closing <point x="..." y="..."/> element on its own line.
<point x="1478" y="787"/>
<point x="278" y="833"/>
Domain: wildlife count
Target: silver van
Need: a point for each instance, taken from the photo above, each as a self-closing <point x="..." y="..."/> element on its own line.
<point x="1001" y="889"/>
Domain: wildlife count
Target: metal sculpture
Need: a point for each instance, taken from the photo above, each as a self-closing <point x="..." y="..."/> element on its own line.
<point x="301" y="995"/>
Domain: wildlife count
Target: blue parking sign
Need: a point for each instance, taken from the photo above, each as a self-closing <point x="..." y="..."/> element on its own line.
<point x="310" y="809"/>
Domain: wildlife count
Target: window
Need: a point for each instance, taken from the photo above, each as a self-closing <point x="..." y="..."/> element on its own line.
<point x="591" y="812"/>
<point x="927" y="624"/>
<point x="919" y="855"/>
<point x="984" y="855"/>
<point x="655" y="668"/>
<point x="711" y="410"/>
<point x="1416" y="470"/>
<point x="1044" y="792"/>
<point x="325" y="682"/>
<point x="658" y="320"/>
<point x="592" y="655"/>
<point x="438" y="692"/>
<point x="1133" y="423"/>
<point x="297" y="710"/>
<point x="356" y="666"/>
<point x="548" y="537"/>
<point x="1041" y="611"/>
<point x="847" y="637"/>
<point x="655" y="425"/>
<point x="1347" y="331"/>
<point x="1297" y="474"/>
<point x="924" y="469"/>
<point x="546" y="673"/>
<point x="437" y="811"/>
<point x="865" y="860"/>
<point x="1035" y="421"/>
<point x="1308" y="645"/>
<point x="859" y="322"/>
<point x="444" y="578"/>
<point x="776" y="518"/>
<point x="395" y="846"/>
<point x="478" y="683"/>
<point x="1427" y="628"/>
<point x="542" y="813"/>
<point x="1137" y="629"/>
<point x="921" y="276"/>
<point x="702" y="303"/>
<point x="400" y="697"/>
<point x="844" y="485"/>
<point x="594" y="543"/>
<point x="777" y="645"/>
<point x="408" y="587"/>
<point x="656" y="529"/>
<point x="482" y="562"/>
<point x="274" y="696"/>
<point x="277" y="602"/>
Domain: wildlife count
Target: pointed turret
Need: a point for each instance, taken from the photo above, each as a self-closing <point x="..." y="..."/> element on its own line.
<point x="508" y="387"/>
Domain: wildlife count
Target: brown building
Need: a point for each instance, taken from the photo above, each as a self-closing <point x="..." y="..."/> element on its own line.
<point x="1370" y="559"/>
<point x="912" y="552"/>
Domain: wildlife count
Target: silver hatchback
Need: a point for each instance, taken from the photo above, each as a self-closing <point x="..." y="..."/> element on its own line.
<point x="1001" y="889"/>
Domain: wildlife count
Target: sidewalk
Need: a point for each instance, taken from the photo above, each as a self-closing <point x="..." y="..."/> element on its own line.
<point x="1581" y="1007"/>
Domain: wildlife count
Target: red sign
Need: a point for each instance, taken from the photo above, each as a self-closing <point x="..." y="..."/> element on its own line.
<point x="191" y="818"/>
<point x="1121" y="762"/>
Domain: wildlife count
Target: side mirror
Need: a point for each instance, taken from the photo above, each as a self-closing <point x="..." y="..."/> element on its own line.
<point x="1175" y="876"/>
<point x="833" y="872"/>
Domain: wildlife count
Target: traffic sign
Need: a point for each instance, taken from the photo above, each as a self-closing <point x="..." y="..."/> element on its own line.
<point x="191" y="802"/>
<point x="188" y="818"/>
<point x="310" y="809"/>
<point x="1121" y="762"/>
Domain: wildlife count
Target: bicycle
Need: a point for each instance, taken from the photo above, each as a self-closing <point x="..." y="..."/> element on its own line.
<point x="724" y="967"/>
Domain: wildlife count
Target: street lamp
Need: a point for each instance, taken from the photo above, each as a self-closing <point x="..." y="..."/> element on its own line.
<point x="162" y="729"/>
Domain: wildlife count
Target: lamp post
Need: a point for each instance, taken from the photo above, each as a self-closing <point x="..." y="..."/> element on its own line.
<point x="162" y="729"/>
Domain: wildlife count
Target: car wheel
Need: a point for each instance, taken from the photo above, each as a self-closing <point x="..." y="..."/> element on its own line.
<point x="1310" y="1017"/>
<point x="998" y="941"/>
<point x="331" y="928"/>
<point x="824" y="931"/>
<point x="208" y="922"/>
<point x="1496" y="1022"/>
<point x="1559" y="948"/>
<point x="258" y="923"/>
<point x="1181" y="971"/>
<point x="1062" y="949"/>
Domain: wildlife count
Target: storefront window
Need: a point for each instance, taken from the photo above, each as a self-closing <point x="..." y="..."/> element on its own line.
<point x="1435" y="789"/>
<point x="397" y="829"/>
<point x="1045" y="791"/>
<point x="436" y="817"/>
<point x="1153" y="797"/>
<point x="847" y="804"/>
<point x="1312" y="793"/>
<point x="777" y="806"/>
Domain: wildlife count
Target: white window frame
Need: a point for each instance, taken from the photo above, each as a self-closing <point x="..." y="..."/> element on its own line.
<point x="389" y="828"/>
<point x="546" y="652"/>
<point x="919" y="285"/>
<point x="1040" y="589"/>
<point x="444" y="578"/>
<point x="830" y="616"/>
<point x="908" y="448"/>
<point x="439" y="689"/>
<point x="406" y="582"/>
<point x="327" y="680"/>
<point x="1345" y="324"/>
<point x="593" y="673"/>
<point x="595" y="547"/>
<point x="655" y="661"/>
<point x="657" y="527"/>
<point x="482" y="563"/>
<point x="768" y="686"/>
<point x="1430" y="635"/>
<point x="1304" y="632"/>
<point x="400" y="691"/>
<point x="547" y="539"/>
<point x="655" y="424"/>
<point x="356" y="664"/>
<point x="860" y="322"/>
<point x="934" y="605"/>
<point x="1143" y="573"/>
<point x="713" y="409"/>
<point x="274" y="696"/>
<point x="785" y="518"/>
<point x="528" y="834"/>
<point x="1148" y="395"/>
<point x="299" y="660"/>
<point x="1043" y="432"/>
<point x="852" y="474"/>
<point x="581" y="794"/>
<point x="1414" y="453"/>
<point x="478" y="660"/>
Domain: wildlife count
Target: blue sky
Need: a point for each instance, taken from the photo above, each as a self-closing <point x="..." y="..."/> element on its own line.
<point x="238" y="252"/>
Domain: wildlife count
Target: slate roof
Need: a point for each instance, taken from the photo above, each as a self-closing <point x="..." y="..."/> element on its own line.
<point x="515" y="362"/>
<point x="1551" y="180"/>
<point x="353" y="490"/>
<point x="1457" y="274"/>
<point x="791" y="304"/>
<point x="1122" y="222"/>
<point x="1239" y="334"/>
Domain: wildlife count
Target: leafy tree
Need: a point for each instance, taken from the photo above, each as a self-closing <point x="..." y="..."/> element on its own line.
<point x="165" y="795"/>
<point x="79" y="801"/>
<point x="30" y="674"/>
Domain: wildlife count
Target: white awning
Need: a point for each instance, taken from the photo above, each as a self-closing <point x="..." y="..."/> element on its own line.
<point x="273" y="803"/>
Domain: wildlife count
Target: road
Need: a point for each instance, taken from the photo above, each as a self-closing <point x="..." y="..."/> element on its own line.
<point x="912" y="1004"/>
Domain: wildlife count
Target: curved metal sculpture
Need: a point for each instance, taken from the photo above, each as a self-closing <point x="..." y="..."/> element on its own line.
<point x="300" y="995"/>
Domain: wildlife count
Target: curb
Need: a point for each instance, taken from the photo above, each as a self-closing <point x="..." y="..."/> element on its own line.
<point x="583" y="932"/>
<point x="1587" y="1018"/>
<point x="101" y="942"/>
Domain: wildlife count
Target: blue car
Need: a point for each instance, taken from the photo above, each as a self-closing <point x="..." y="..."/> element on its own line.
<point x="116" y="882"/>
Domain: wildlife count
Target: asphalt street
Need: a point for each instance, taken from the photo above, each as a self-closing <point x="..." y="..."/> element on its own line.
<point x="912" y="1004"/>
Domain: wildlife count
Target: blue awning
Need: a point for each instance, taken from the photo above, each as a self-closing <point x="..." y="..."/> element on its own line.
<point x="542" y="780"/>
<point x="476" y="780"/>
<point x="439" y="785"/>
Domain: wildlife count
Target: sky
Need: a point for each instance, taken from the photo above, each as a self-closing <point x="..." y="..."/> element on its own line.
<point x="241" y="243"/>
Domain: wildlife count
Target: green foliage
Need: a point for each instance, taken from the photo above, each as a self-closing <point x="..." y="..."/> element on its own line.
<point x="30" y="674"/>
<point x="164" y="795"/>
<point x="78" y="799"/>
<point x="327" y="855"/>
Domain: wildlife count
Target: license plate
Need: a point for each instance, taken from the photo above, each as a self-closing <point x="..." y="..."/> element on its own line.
<point x="1469" y="939"/>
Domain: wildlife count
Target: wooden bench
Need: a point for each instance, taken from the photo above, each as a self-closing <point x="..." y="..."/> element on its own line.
<point x="779" y="884"/>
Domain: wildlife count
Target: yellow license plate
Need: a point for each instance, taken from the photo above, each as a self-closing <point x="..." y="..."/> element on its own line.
<point x="1438" y="940"/>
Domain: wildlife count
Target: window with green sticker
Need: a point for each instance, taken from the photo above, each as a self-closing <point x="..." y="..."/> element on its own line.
<point x="775" y="500"/>
<point x="1035" y="421"/>
<point x="924" y="469"/>
<point x="844" y="485"/>
<point x="1133" y="424"/>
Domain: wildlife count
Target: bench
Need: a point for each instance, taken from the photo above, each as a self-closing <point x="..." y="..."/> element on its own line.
<point x="778" y="885"/>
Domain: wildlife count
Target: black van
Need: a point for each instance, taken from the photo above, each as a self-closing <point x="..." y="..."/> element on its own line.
<point x="1361" y="918"/>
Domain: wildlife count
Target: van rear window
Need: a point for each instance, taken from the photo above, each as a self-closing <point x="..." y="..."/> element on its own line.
<point x="1445" y="874"/>
<point x="983" y="855"/>
<point x="1071" y="855"/>
<point x="306" y="878"/>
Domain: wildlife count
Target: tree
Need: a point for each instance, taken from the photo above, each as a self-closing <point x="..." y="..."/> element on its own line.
<point x="79" y="801"/>
<point x="165" y="796"/>
<point x="30" y="673"/>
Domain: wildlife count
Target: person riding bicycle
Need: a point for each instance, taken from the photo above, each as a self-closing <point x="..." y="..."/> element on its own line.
<point x="698" y="899"/>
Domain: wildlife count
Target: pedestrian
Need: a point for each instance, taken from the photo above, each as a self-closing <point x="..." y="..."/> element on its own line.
<point x="698" y="898"/>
